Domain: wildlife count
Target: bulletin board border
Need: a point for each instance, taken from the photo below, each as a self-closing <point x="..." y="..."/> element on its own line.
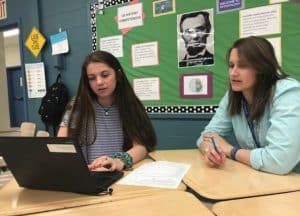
<point x="204" y="109"/>
<point x="93" y="8"/>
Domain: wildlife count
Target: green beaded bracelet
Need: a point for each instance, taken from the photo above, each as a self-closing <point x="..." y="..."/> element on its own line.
<point x="124" y="156"/>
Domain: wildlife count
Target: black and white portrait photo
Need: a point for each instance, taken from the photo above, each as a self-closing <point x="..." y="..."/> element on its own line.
<point x="195" y="38"/>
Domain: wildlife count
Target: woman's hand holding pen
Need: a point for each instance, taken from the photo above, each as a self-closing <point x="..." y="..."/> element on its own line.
<point x="214" y="151"/>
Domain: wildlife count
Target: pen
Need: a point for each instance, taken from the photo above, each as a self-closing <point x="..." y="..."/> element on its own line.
<point x="214" y="144"/>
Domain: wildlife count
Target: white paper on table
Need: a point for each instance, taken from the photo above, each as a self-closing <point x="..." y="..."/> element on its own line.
<point x="162" y="174"/>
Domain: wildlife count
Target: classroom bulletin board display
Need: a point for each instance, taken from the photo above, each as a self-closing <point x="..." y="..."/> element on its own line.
<point x="163" y="29"/>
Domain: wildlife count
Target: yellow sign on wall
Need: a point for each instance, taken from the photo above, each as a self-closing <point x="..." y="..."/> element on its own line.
<point x="35" y="41"/>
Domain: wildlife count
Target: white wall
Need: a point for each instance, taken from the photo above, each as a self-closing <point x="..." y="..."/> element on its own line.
<point x="4" y="108"/>
<point x="12" y="55"/>
<point x="9" y="57"/>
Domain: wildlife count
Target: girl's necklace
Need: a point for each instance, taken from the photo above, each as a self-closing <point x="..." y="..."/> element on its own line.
<point x="106" y="109"/>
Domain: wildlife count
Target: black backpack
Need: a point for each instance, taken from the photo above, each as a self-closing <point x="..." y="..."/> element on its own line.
<point x="54" y="103"/>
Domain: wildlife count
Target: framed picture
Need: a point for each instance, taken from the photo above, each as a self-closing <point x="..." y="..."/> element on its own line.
<point x="195" y="38"/>
<point x="163" y="7"/>
<point x="196" y="85"/>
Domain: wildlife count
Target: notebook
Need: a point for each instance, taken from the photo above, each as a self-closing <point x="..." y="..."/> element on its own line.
<point x="53" y="163"/>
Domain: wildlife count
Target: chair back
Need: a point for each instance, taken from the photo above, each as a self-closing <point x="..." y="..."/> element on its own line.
<point x="42" y="133"/>
<point x="27" y="129"/>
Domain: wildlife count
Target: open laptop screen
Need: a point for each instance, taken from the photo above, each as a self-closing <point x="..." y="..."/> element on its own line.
<point x="52" y="163"/>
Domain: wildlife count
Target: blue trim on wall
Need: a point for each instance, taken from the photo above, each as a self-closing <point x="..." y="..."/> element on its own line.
<point x="178" y="131"/>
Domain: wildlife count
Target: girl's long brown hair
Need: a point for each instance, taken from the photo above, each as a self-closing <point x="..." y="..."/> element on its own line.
<point x="135" y="122"/>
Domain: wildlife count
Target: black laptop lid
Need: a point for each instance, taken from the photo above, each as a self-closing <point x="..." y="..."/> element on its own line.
<point x="52" y="163"/>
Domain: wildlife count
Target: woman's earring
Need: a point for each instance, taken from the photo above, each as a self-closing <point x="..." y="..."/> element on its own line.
<point x="121" y="72"/>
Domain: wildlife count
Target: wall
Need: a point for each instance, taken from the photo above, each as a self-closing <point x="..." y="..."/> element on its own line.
<point x="173" y="131"/>
<point x="72" y="16"/>
<point x="4" y="114"/>
<point x="12" y="52"/>
<point x="24" y="14"/>
<point x="178" y="131"/>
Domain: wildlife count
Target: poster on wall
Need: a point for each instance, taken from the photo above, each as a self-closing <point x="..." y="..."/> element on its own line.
<point x="196" y="85"/>
<point x="163" y="7"/>
<point x="113" y="45"/>
<point x="144" y="54"/>
<point x="277" y="1"/>
<point x="229" y="5"/>
<point x="59" y="43"/>
<point x="130" y="16"/>
<point x="276" y="43"/>
<point x="195" y="38"/>
<point x="35" y="42"/>
<point x="3" y="11"/>
<point x="147" y="88"/>
<point x="35" y="80"/>
<point x="265" y="20"/>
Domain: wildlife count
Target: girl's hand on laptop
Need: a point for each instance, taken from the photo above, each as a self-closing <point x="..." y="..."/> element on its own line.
<point x="111" y="164"/>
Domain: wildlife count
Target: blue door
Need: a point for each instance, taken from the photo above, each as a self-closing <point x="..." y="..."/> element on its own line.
<point x="16" y="96"/>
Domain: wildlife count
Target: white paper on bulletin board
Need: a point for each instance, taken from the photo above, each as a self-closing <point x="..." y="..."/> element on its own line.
<point x="145" y="54"/>
<point x="3" y="9"/>
<point x="277" y="1"/>
<point x="113" y="45"/>
<point x="276" y="43"/>
<point x="147" y="88"/>
<point x="265" y="20"/>
<point x="130" y="16"/>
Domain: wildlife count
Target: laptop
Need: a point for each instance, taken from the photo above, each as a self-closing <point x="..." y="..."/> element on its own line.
<point x="53" y="163"/>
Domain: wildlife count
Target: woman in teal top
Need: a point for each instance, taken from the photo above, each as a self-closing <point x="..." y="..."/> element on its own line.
<point x="261" y="110"/>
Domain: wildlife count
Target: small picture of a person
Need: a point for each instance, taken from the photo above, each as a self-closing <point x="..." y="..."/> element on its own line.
<point x="194" y="30"/>
<point x="195" y="85"/>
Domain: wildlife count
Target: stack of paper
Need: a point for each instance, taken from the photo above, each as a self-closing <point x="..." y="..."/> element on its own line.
<point x="163" y="174"/>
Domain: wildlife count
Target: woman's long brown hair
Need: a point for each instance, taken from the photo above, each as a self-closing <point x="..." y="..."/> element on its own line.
<point x="258" y="53"/>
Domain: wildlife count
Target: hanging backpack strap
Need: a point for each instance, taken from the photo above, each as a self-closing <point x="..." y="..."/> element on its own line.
<point x="58" y="78"/>
<point x="54" y="129"/>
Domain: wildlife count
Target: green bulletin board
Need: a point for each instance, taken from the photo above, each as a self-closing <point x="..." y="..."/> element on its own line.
<point x="163" y="29"/>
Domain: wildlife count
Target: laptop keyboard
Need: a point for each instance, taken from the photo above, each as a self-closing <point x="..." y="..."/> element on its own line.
<point x="105" y="173"/>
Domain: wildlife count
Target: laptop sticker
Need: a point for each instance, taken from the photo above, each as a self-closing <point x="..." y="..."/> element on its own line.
<point x="61" y="148"/>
